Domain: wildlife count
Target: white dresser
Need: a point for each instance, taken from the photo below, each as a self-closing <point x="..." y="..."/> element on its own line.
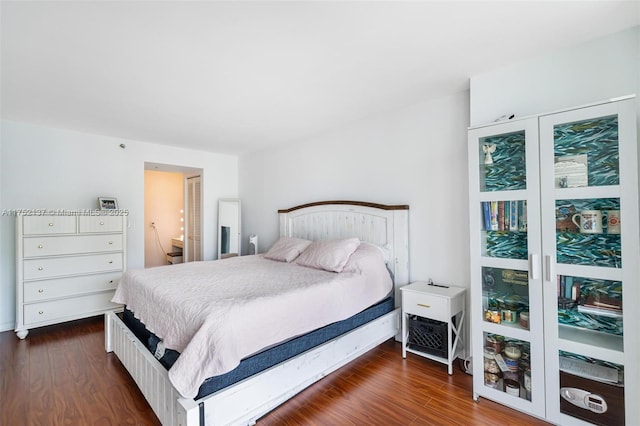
<point x="67" y="267"/>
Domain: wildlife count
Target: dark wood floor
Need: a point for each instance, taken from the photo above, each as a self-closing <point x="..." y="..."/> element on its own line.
<point x="60" y="375"/>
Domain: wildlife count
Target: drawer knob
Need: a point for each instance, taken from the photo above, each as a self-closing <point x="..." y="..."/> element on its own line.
<point x="50" y="224"/>
<point x="111" y="282"/>
<point x="423" y="305"/>
<point x="40" y="246"/>
<point x="110" y="242"/>
<point x="111" y="261"/>
<point x="40" y="312"/>
<point x="101" y="223"/>
<point x="41" y="290"/>
<point x="40" y="268"/>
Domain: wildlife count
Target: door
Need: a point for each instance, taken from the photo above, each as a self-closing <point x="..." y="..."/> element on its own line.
<point x="590" y="244"/>
<point x="194" y="219"/>
<point x="506" y="285"/>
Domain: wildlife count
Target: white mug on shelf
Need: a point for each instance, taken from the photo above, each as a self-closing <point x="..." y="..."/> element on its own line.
<point x="588" y="221"/>
<point x="613" y="221"/>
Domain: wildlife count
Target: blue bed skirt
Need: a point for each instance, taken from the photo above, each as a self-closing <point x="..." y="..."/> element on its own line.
<point x="268" y="358"/>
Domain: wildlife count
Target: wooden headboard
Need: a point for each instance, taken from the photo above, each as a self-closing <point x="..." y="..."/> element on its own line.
<point x="383" y="225"/>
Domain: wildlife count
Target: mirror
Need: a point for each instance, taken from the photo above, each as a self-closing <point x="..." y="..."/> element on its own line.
<point x="229" y="232"/>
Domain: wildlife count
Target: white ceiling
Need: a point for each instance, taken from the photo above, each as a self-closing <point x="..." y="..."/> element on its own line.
<point x="237" y="76"/>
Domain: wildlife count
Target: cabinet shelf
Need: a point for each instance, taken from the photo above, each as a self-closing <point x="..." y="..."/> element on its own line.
<point x="603" y="346"/>
<point x="516" y="194"/>
<point x="597" y="272"/>
<point x="492" y="262"/>
<point x="512" y="330"/>
<point x="611" y="191"/>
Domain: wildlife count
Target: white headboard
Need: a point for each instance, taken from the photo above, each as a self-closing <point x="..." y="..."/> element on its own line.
<point x="383" y="225"/>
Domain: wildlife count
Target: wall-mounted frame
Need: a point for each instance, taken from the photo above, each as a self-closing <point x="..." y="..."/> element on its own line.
<point x="107" y="203"/>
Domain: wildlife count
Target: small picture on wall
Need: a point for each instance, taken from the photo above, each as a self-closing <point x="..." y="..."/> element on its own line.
<point x="107" y="203"/>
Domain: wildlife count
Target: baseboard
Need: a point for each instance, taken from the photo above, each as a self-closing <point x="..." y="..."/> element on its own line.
<point x="6" y="326"/>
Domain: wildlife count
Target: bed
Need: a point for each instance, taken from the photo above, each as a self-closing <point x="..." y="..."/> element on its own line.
<point x="246" y="397"/>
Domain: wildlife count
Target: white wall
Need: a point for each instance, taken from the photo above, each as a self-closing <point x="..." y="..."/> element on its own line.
<point x="57" y="169"/>
<point x="414" y="156"/>
<point x="601" y="69"/>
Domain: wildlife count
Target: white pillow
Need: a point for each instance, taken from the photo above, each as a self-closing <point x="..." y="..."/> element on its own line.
<point x="365" y="255"/>
<point x="286" y="249"/>
<point x="330" y="255"/>
<point x="385" y="250"/>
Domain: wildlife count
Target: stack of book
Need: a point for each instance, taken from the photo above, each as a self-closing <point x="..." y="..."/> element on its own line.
<point x="505" y="215"/>
<point x="601" y="305"/>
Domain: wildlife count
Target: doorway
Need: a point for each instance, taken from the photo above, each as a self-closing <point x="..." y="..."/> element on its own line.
<point x="172" y="212"/>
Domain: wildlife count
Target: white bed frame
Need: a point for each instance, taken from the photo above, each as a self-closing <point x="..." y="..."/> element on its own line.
<point x="246" y="401"/>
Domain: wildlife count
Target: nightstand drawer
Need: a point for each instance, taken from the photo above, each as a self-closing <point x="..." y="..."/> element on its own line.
<point x="425" y="305"/>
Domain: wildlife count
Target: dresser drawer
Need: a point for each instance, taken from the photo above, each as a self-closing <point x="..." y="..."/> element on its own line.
<point x="36" y="291"/>
<point x="91" y="224"/>
<point x="33" y="225"/>
<point x="425" y="305"/>
<point x="73" y="265"/>
<point x="74" y="307"/>
<point x="71" y="244"/>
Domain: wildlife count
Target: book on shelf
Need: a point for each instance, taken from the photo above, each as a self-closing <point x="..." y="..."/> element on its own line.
<point x="500" y="215"/>
<point x="486" y="212"/>
<point x="493" y="206"/>
<point x="568" y="288"/>
<point x="601" y="305"/>
<point x="513" y="216"/>
<point x="507" y="215"/>
<point x="522" y="211"/>
<point x="596" y="310"/>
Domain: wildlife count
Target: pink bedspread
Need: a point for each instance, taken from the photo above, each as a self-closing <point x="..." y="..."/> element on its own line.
<point x="216" y="313"/>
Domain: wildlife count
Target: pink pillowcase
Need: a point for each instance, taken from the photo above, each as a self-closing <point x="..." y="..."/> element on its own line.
<point x="330" y="255"/>
<point x="365" y="254"/>
<point x="286" y="249"/>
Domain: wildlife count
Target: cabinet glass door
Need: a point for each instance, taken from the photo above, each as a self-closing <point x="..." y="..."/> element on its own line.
<point x="506" y="285"/>
<point x="583" y="234"/>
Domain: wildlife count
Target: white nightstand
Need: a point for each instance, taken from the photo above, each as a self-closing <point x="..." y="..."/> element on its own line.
<point x="439" y="303"/>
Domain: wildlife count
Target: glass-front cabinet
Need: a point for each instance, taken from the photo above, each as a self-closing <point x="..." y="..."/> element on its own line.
<point x="506" y="290"/>
<point x="555" y="264"/>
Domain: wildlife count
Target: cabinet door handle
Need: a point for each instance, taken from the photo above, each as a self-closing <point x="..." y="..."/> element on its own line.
<point x="40" y="246"/>
<point x="533" y="266"/>
<point x="547" y="268"/>
<point x="423" y="305"/>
